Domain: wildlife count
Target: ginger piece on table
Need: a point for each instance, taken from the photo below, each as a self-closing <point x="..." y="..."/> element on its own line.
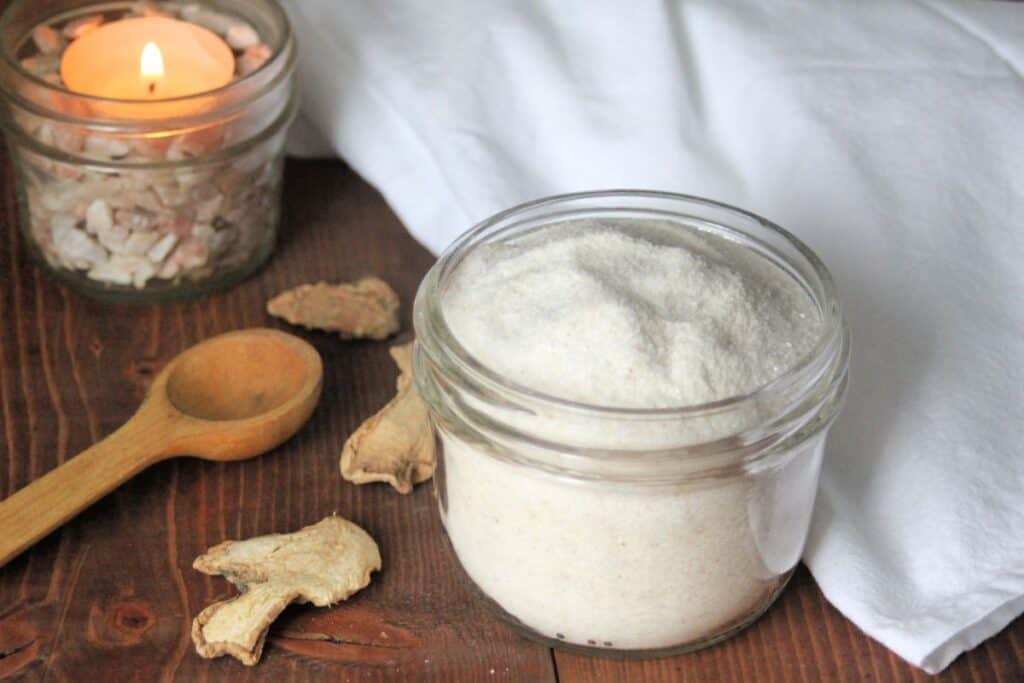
<point x="396" y="445"/>
<point x="367" y="309"/>
<point x="321" y="564"/>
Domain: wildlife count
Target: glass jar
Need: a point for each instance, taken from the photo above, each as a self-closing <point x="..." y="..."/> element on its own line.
<point x="627" y="531"/>
<point x="146" y="200"/>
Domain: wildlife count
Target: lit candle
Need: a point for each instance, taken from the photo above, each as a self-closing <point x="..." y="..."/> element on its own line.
<point x="147" y="58"/>
<point x="151" y="68"/>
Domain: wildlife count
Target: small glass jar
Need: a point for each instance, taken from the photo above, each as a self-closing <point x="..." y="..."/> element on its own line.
<point x="148" y="200"/>
<point x="631" y="532"/>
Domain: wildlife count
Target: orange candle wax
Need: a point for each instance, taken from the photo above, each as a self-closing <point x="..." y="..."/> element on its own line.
<point x="147" y="59"/>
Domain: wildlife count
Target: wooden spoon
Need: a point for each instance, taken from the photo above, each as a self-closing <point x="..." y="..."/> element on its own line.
<point x="231" y="397"/>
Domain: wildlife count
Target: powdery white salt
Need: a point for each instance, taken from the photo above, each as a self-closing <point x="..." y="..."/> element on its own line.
<point x="636" y="314"/>
<point x="619" y="316"/>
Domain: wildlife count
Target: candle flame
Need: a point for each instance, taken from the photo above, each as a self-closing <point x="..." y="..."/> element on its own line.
<point x="152" y="65"/>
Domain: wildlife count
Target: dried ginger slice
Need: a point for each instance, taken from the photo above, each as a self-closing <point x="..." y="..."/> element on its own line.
<point x="364" y="309"/>
<point x="321" y="564"/>
<point x="396" y="445"/>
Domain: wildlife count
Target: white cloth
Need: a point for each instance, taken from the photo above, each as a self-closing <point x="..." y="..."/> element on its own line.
<point x="889" y="136"/>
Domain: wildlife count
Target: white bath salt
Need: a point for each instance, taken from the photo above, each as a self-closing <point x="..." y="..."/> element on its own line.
<point x="634" y="315"/>
<point x="604" y="316"/>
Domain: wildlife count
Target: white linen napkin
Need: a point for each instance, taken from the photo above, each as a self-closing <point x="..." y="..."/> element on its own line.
<point x="889" y="136"/>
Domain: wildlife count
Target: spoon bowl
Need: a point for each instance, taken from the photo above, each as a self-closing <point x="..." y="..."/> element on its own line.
<point x="239" y="394"/>
<point x="230" y="397"/>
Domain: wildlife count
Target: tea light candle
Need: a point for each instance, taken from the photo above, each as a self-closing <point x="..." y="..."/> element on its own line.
<point x="152" y="161"/>
<point x="147" y="58"/>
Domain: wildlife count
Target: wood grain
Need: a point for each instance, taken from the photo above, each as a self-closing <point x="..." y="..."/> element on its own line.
<point x="111" y="595"/>
<point x="233" y="396"/>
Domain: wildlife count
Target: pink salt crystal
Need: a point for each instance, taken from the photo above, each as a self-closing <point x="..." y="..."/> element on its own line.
<point x="148" y="200"/>
<point x="176" y="153"/>
<point x="120" y="199"/>
<point x="197" y="143"/>
<point x="203" y="232"/>
<point x="260" y="51"/>
<point x="168" y="270"/>
<point x="114" y="238"/>
<point x="45" y="134"/>
<point x="47" y="40"/>
<point x="252" y="59"/>
<point x="145" y="9"/>
<point x="118" y="270"/>
<point x="227" y="183"/>
<point x="79" y="27"/>
<point x="79" y="250"/>
<point x="138" y="243"/>
<point x="58" y="200"/>
<point x="221" y="240"/>
<point x="60" y="225"/>
<point x="181" y="227"/>
<point x="190" y="11"/>
<point x="159" y="251"/>
<point x="192" y="253"/>
<point x="98" y="217"/>
<point x="68" y="139"/>
<point x="134" y="184"/>
<point x="41" y="65"/>
<point x="193" y="180"/>
<point x="170" y="196"/>
<point x="236" y="215"/>
<point x="105" y="146"/>
<point x="152" y="148"/>
<point x="133" y="220"/>
<point x="215" y="21"/>
<point x="208" y="190"/>
<point x="241" y="36"/>
<point x="67" y="171"/>
<point x="143" y="272"/>
<point x="207" y="210"/>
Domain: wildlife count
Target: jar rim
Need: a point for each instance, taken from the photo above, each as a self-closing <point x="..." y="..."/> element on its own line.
<point x="438" y="342"/>
<point x="285" y="46"/>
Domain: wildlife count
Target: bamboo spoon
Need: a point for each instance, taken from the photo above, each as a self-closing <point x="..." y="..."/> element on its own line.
<point x="231" y="397"/>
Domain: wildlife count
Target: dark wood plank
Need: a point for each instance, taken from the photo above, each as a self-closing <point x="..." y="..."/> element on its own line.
<point x="111" y="595"/>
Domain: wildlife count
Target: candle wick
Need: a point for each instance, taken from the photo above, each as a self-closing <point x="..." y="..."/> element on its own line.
<point x="152" y="88"/>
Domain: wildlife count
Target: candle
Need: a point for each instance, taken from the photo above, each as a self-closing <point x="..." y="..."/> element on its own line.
<point x="150" y="161"/>
<point x="147" y="58"/>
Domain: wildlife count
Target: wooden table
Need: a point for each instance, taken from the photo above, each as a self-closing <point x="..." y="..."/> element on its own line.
<point x="111" y="596"/>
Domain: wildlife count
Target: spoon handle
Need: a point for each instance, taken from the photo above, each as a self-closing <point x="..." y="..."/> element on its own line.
<point x="60" y="494"/>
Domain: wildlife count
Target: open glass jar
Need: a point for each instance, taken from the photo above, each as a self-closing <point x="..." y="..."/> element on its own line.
<point x="628" y="531"/>
<point x="148" y="199"/>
